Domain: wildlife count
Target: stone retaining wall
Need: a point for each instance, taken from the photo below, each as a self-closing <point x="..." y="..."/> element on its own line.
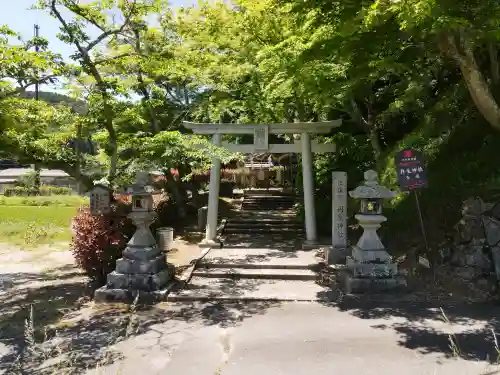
<point x="474" y="251"/>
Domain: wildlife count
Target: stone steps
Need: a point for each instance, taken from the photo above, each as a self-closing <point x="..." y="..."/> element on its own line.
<point x="247" y="217"/>
<point x="264" y="228"/>
<point x="261" y="230"/>
<point x="288" y="205"/>
<point x="270" y="202"/>
<point x="242" y="240"/>
<point x="261" y="258"/>
<point x="264" y="221"/>
<point x="260" y="207"/>
<point x="266" y="214"/>
<point x="270" y="222"/>
<point x="257" y="266"/>
<point x="268" y="193"/>
<point x="228" y="289"/>
<point x="257" y="273"/>
<point x="271" y="197"/>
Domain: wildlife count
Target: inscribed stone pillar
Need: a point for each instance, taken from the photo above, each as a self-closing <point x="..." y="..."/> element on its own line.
<point x="339" y="218"/>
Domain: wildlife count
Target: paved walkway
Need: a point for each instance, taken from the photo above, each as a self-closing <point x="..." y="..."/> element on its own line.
<point x="309" y="338"/>
<point x="252" y="333"/>
<point x="351" y="336"/>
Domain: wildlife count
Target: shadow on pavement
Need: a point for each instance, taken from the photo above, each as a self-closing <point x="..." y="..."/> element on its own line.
<point x="89" y="341"/>
<point x="50" y="295"/>
<point x="464" y="330"/>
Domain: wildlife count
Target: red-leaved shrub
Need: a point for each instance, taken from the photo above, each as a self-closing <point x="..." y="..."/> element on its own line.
<point x="98" y="241"/>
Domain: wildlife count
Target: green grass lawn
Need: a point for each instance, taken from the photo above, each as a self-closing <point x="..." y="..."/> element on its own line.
<point x="32" y="221"/>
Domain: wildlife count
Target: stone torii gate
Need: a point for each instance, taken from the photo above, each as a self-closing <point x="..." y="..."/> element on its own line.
<point x="261" y="144"/>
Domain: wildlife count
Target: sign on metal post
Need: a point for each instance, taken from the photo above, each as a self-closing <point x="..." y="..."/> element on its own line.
<point x="412" y="175"/>
<point x="339" y="215"/>
<point x="411" y="170"/>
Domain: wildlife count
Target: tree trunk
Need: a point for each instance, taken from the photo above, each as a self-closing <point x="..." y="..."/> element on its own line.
<point x="479" y="90"/>
<point x="38" y="182"/>
<point x="155" y="127"/>
<point x="375" y="142"/>
<point x="494" y="66"/>
<point x="369" y="127"/>
<point x="113" y="142"/>
<point x="176" y="193"/>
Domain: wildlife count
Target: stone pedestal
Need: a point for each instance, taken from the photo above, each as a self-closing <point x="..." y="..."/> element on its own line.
<point x="370" y="268"/>
<point x="143" y="268"/>
<point x="336" y="255"/>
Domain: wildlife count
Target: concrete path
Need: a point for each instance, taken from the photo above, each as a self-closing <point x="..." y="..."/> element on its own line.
<point x="310" y="338"/>
<point x="357" y="336"/>
<point x="276" y="273"/>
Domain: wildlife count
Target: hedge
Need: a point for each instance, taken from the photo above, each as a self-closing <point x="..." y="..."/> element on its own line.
<point x="20" y="191"/>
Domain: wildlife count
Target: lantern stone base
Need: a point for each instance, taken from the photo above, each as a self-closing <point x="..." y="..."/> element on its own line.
<point x="371" y="271"/>
<point x="106" y="294"/>
<point x="377" y="255"/>
<point x="142" y="270"/>
<point x="336" y="254"/>
<point x="141" y="281"/>
<point x="131" y="266"/>
<point x="355" y="285"/>
<point x="123" y="287"/>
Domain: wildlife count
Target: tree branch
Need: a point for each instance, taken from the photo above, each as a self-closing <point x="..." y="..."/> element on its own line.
<point x="112" y="58"/>
<point x="105" y="33"/>
<point x="91" y="68"/>
<point x="479" y="90"/>
<point x="357" y="115"/>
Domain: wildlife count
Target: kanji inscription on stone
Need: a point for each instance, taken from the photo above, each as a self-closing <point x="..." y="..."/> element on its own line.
<point x="339" y="207"/>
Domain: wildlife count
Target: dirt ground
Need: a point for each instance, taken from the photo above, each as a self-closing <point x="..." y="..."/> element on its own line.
<point x="48" y="280"/>
<point x="44" y="284"/>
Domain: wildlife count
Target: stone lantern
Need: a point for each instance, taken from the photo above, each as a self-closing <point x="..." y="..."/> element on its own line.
<point x="370" y="266"/>
<point x="143" y="267"/>
<point x="100" y="198"/>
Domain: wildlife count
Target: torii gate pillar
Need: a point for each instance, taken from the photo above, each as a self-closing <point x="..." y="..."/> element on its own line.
<point x="213" y="200"/>
<point x="308" y="186"/>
